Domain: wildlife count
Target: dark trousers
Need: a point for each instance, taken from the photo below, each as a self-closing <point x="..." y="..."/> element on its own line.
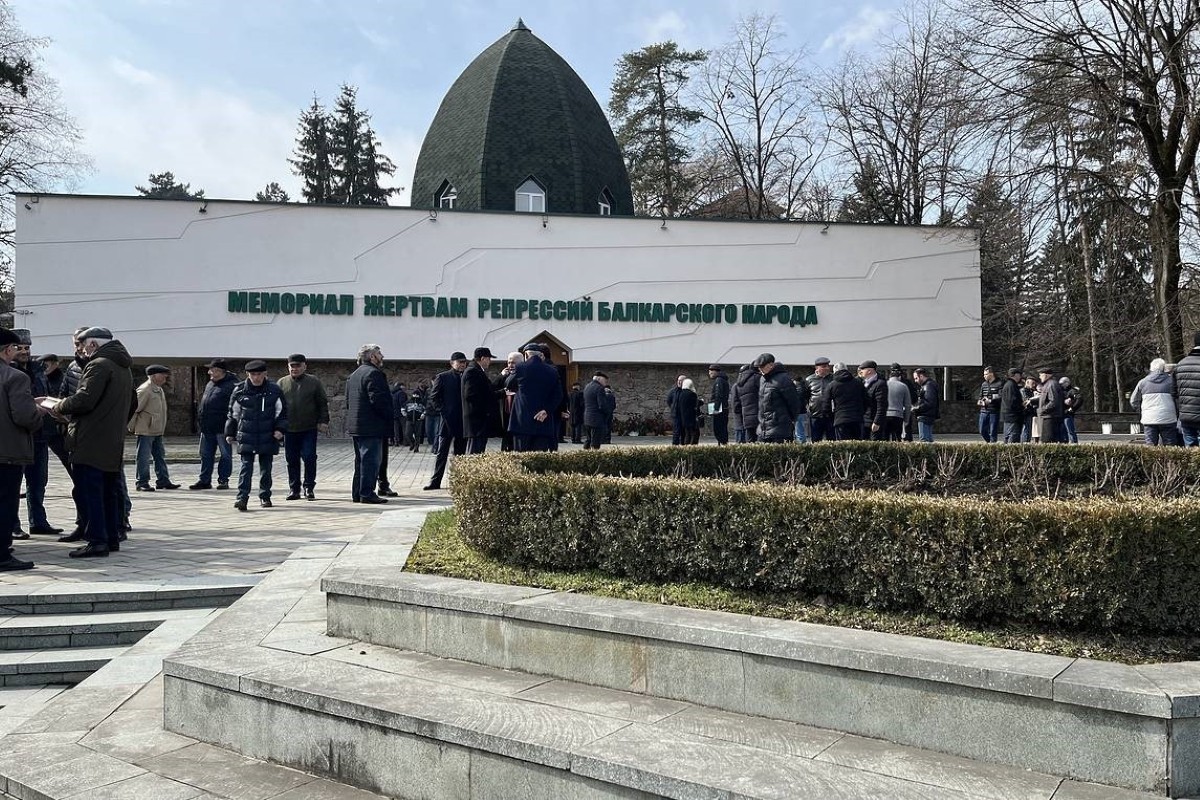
<point x="894" y="428"/>
<point x="535" y="444"/>
<point x="577" y="429"/>
<point x="36" y="475"/>
<point x="1012" y="431"/>
<point x="415" y="430"/>
<point x="10" y="501"/>
<point x="593" y="437"/>
<point x="1051" y="428"/>
<point x="368" y="454"/>
<point x="720" y="424"/>
<point x="476" y="444"/>
<point x="210" y="445"/>
<point x="847" y="431"/>
<point x="821" y="428"/>
<point x="445" y="442"/>
<point x="384" y="484"/>
<point x="398" y="437"/>
<point x="102" y="498"/>
<point x="246" y="475"/>
<point x="300" y="449"/>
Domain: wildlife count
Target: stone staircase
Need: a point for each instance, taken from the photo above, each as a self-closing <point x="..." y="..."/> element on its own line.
<point x="421" y="687"/>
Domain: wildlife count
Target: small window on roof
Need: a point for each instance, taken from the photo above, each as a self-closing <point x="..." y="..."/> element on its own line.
<point x="605" y="202"/>
<point x="531" y="197"/>
<point x="447" y="195"/>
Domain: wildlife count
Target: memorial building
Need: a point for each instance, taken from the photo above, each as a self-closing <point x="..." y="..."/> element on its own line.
<point x="520" y="229"/>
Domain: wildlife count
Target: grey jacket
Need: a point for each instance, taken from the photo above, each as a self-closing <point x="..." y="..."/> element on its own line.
<point x="19" y="417"/>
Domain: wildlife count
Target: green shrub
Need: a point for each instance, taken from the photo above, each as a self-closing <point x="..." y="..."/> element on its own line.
<point x="1088" y="563"/>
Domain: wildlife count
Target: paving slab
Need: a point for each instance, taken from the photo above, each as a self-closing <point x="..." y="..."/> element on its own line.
<point x="226" y="774"/>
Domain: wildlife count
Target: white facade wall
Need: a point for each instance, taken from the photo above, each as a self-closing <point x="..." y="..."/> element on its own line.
<point x="159" y="274"/>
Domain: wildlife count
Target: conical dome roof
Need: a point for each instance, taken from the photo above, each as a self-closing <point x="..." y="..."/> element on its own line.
<point x="517" y="112"/>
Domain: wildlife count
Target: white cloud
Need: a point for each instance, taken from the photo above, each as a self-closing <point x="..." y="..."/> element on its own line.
<point x="667" y="25"/>
<point x="137" y="122"/>
<point x="861" y="30"/>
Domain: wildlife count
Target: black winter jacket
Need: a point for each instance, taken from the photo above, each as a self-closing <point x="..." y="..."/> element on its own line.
<point x="1012" y="402"/>
<point x="818" y="394"/>
<point x="719" y="396"/>
<point x="929" y="401"/>
<point x="255" y="414"/>
<point x="479" y="406"/>
<point x="778" y="406"/>
<point x="214" y="404"/>
<point x="1187" y="387"/>
<point x="368" y="403"/>
<point x="445" y="399"/>
<point x="875" y="412"/>
<point x="745" y="399"/>
<point x="847" y="399"/>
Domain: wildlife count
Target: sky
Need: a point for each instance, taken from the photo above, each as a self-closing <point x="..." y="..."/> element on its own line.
<point x="212" y="90"/>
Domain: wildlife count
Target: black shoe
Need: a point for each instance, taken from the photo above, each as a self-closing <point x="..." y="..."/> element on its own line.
<point x="13" y="564"/>
<point x="167" y="485"/>
<point x="266" y="502"/>
<point x="433" y="487"/>
<point x="125" y="526"/>
<point x="222" y="485"/>
<point x="121" y="536"/>
<point x="309" y="494"/>
<point x="77" y="535"/>
<point x="20" y="534"/>
<point x="114" y="547"/>
<point x="388" y="493"/>
<point x="240" y="504"/>
<point x="355" y="500"/>
<point x="145" y="487"/>
<point x="90" y="551"/>
<point x="373" y="500"/>
<point x="47" y="531"/>
<point x="293" y="496"/>
<point x="198" y="485"/>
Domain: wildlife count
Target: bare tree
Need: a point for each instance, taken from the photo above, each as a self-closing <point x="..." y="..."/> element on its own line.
<point x="757" y="99"/>
<point x="1139" y="62"/>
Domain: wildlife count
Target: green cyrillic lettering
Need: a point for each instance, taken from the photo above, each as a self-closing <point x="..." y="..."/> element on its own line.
<point x="239" y="302"/>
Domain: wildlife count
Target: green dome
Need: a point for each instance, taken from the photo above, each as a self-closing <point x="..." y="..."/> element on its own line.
<point x="519" y="112"/>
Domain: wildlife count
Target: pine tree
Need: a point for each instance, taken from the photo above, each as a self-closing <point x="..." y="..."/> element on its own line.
<point x="164" y="187"/>
<point x="311" y="159"/>
<point x="346" y="144"/>
<point x="871" y="200"/>
<point x="373" y="165"/>
<point x="272" y="193"/>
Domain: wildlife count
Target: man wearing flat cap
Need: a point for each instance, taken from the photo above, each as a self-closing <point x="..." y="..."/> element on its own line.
<point x="369" y="421"/>
<point x="257" y="422"/>
<point x="1050" y="406"/>
<point x="20" y="416"/>
<point x="308" y="415"/>
<point x="212" y="415"/>
<point x="97" y="414"/>
<point x="479" y="401"/>
<point x="149" y="423"/>
<point x="445" y="400"/>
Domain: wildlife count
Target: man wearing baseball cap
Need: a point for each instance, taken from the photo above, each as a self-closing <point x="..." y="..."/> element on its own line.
<point x="479" y="402"/>
<point x="20" y="416"/>
<point x="212" y="414"/>
<point x="149" y="423"/>
<point x="257" y="422"/>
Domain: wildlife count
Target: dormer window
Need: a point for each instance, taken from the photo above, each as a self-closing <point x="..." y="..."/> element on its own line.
<point x="531" y="197"/>
<point x="447" y="195"/>
<point x="605" y="202"/>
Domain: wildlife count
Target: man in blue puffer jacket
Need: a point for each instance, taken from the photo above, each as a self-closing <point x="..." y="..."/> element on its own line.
<point x="257" y="422"/>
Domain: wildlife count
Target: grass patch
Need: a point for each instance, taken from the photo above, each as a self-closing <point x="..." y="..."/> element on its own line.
<point x="441" y="551"/>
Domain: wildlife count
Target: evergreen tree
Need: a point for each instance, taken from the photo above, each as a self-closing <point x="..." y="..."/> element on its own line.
<point x="163" y="186"/>
<point x="374" y="164"/>
<point x="652" y="123"/>
<point x="272" y="193"/>
<point x="871" y="200"/>
<point x="311" y="159"/>
<point x="346" y="143"/>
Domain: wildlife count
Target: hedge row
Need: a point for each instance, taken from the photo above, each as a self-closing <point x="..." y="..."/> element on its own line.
<point x="1097" y="564"/>
<point x="1037" y="469"/>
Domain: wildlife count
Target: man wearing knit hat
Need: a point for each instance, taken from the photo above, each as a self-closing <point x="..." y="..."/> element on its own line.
<point x="149" y="423"/>
<point x="20" y="416"/>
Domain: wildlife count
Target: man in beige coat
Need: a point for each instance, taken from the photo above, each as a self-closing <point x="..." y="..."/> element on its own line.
<point x="149" y="423"/>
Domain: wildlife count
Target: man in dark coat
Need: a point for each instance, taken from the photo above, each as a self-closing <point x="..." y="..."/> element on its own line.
<point x="988" y="401"/>
<point x="445" y="400"/>
<point x="929" y="404"/>
<point x="718" y="399"/>
<point x="595" y="411"/>
<point x="38" y="473"/>
<point x="538" y="395"/>
<point x="575" y="409"/>
<point x="478" y="401"/>
<point x="213" y="412"/>
<point x="778" y="401"/>
<point x="846" y="401"/>
<point x="1012" y="406"/>
<point x="820" y="418"/>
<point x="399" y="410"/>
<point x="1050" y="406"/>
<point x="258" y="422"/>
<point x="676" y="434"/>
<point x="745" y="400"/>
<point x="876" y="394"/>
<point x="369" y="421"/>
<point x="308" y="416"/>
<point x="1187" y="389"/>
<point x="20" y="416"/>
<point x="98" y="412"/>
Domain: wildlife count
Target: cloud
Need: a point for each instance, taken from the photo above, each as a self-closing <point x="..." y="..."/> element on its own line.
<point x="666" y="25"/>
<point x="861" y="30"/>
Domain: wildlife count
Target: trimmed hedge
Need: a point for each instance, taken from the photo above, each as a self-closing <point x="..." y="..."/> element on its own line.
<point x="1095" y="563"/>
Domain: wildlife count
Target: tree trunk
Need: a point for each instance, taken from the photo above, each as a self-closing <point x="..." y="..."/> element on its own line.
<point x="1085" y="244"/>
<point x="1165" y="216"/>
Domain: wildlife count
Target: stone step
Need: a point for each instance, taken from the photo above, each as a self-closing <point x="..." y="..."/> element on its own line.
<point x="97" y="629"/>
<point x="386" y="720"/>
<point x="83" y="598"/>
<point x="19" y="703"/>
<point x="54" y="665"/>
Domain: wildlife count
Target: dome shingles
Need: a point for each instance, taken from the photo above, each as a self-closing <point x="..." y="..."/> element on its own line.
<point x="520" y="111"/>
